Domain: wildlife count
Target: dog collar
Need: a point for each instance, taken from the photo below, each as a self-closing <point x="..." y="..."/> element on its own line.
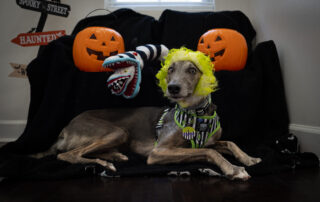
<point x="199" y="110"/>
<point x="197" y="129"/>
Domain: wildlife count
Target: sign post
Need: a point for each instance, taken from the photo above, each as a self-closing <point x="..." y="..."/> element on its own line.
<point x="38" y="38"/>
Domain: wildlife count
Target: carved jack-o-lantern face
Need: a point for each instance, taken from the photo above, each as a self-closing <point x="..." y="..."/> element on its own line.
<point x="93" y="45"/>
<point x="227" y="49"/>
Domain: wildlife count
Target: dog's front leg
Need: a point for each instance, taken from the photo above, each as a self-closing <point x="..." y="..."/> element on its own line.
<point x="182" y="155"/>
<point x="231" y="148"/>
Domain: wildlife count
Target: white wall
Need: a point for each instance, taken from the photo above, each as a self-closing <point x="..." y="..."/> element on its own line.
<point x="294" y="26"/>
<point x="14" y="99"/>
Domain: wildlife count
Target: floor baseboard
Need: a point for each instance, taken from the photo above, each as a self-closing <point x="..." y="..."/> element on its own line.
<point x="305" y="128"/>
<point x="10" y="130"/>
<point x="7" y="139"/>
<point x="308" y="136"/>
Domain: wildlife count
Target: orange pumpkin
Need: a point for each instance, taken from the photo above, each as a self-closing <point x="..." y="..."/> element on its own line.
<point x="93" y="45"/>
<point x="227" y="49"/>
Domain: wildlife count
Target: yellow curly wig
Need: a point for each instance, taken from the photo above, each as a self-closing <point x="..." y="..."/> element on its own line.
<point x="207" y="83"/>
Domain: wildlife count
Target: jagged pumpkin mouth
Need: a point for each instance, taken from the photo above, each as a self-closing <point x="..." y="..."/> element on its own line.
<point x="218" y="53"/>
<point x="99" y="54"/>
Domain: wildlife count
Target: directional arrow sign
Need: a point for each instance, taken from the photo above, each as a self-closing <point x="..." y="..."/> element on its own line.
<point x="49" y="7"/>
<point x="38" y="38"/>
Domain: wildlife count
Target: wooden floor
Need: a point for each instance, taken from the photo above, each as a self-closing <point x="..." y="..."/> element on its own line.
<point x="300" y="186"/>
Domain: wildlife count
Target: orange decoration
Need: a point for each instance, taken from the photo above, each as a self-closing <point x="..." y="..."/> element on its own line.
<point x="93" y="45"/>
<point x="227" y="49"/>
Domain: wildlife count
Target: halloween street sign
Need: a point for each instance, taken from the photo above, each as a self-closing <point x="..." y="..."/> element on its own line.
<point x="49" y="7"/>
<point x="38" y="38"/>
<point x="19" y="70"/>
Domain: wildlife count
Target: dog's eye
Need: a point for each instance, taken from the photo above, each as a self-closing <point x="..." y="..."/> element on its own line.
<point x="192" y="70"/>
<point x="170" y="70"/>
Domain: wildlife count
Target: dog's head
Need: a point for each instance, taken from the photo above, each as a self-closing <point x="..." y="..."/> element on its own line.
<point x="186" y="77"/>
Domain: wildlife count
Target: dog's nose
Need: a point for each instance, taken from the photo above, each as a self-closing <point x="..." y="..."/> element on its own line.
<point x="174" y="89"/>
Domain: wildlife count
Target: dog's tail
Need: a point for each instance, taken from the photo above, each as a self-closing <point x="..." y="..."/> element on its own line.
<point x="51" y="151"/>
<point x="43" y="154"/>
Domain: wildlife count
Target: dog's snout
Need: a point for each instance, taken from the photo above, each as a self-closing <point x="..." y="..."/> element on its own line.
<point x="174" y="89"/>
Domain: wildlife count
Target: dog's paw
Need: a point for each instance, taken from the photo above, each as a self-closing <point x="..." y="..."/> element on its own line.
<point x="106" y="164"/>
<point x="239" y="173"/>
<point x="252" y="161"/>
<point x="117" y="156"/>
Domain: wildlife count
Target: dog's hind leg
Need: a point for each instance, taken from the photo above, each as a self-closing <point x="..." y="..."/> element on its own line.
<point x="105" y="143"/>
<point x="231" y="148"/>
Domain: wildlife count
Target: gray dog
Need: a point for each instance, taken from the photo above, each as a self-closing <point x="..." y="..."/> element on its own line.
<point x="187" y="133"/>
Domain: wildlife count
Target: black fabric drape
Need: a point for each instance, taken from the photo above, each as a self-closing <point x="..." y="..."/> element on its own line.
<point x="184" y="29"/>
<point x="135" y="28"/>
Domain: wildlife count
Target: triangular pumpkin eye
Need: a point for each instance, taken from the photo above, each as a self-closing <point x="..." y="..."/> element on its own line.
<point x="202" y="41"/>
<point x="93" y="36"/>
<point x="218" y="38"/>
<point x="208" y="46"/>
<point x="112" y="38"/>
